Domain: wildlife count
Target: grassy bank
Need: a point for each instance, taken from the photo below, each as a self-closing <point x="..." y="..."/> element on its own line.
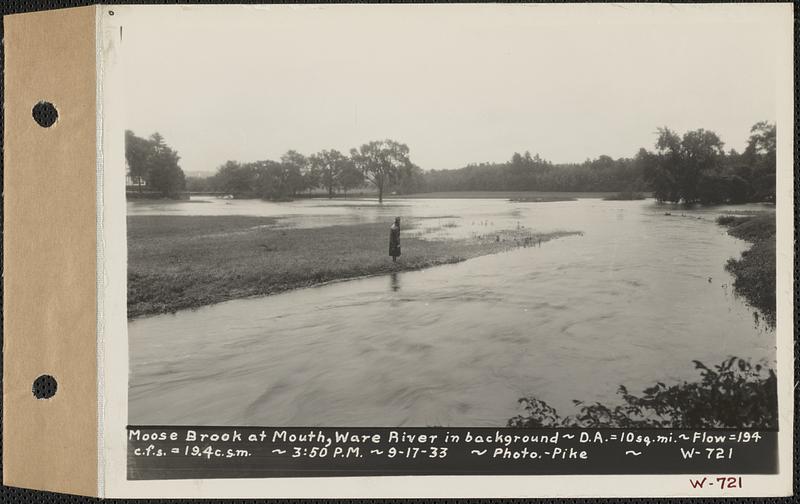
<point x="179" y="262"/>
<point x="754" y="273"/>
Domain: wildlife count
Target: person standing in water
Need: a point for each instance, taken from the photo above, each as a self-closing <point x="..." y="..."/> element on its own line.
<point x="394" y="239"/>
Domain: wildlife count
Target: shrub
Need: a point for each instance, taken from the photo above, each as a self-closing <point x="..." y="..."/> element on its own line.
<point x="625" y="196"/>
<point x="753" y="228"/>
<point x="754" y="277"/>
<point x="755" y="272"/>
<point x="733" y="394"/>
<point x="728" y="220"/>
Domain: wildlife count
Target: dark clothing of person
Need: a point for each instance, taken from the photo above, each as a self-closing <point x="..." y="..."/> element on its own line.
<point x="394" y="241"/>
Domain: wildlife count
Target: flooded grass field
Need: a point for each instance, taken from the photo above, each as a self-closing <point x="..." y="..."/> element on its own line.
<point x="177" y="262"/>
<point x="633" y="300"/>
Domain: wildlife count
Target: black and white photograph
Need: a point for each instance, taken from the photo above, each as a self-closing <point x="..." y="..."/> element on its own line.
<point x="452" y="216"/>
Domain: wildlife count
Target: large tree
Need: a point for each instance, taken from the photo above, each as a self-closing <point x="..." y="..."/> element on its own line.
<point x="329" y="164"/>
<point x="350" y="177"/>
<point x="274" y="180"/>
<point x="702" y="154"/>
<point x="137" y="155"/>
<point x="164" y="175"/>
<point x="662" y="169"/>
<point x="760" y="156"/>
<point x="236" y="179"/>
<point x="687" y="169"/>
<point x="381" y="161"/>
<point x="295" y="165"/>
<point x="153" y="161"/>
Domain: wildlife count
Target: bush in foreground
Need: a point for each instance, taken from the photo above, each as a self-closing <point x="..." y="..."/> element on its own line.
<point x="733" y="394"/>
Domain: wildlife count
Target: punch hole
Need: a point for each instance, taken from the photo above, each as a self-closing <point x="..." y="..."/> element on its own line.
<point x="44" y="387"/>
<point x="45" y="114"/>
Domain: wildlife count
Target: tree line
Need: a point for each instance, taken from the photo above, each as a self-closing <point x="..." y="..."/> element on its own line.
<point x="693" y="168"/>
<point x="689" y="168"/>
<point x="383" y="163"/>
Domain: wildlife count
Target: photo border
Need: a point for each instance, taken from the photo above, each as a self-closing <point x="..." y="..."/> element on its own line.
<point x="113" y="307"/>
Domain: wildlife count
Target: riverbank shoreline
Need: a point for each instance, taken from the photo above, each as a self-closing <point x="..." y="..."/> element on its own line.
<point x="754" y="272"/>
<point x="523" y="196"/>
<point x="544" y="196"/>
<point x="184" y="262"/>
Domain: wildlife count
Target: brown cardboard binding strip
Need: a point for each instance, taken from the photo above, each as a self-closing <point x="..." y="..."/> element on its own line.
<point x="49" y="252"/>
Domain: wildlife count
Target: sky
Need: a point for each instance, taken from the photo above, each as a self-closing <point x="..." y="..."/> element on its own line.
<point x="458" y="84"/>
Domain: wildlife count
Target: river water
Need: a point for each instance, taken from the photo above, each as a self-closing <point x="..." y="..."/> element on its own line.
<point x="632" y="301"/>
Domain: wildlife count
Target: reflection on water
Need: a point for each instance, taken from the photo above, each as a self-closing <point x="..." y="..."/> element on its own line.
<point x="632" y="301"/>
